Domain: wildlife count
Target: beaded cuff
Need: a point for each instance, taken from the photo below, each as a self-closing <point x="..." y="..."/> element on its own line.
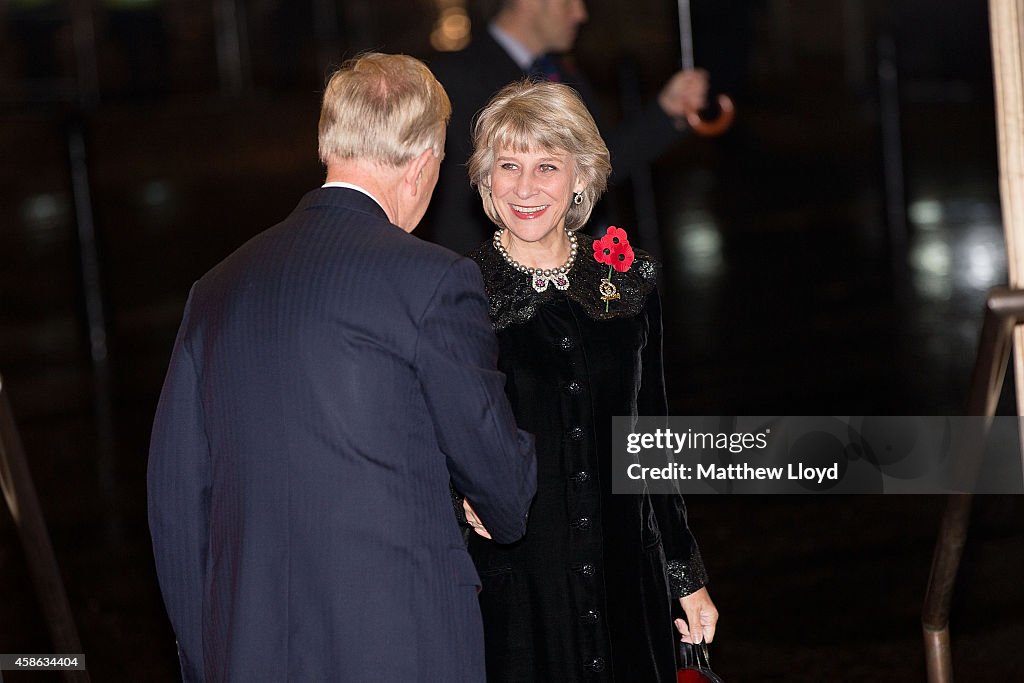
<point x="686" y="577"/>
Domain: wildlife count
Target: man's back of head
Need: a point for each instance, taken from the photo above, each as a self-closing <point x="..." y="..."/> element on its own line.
<point x="382" y="108"/>
<point x="382" y="128"/>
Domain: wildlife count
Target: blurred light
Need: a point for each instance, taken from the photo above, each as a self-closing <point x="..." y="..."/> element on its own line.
<point x="984" y="257"/>
<point x="44" y="215"/>
<point x="158" y="202"/>
<point x="931" y="261"/>
<point x="699" y="244"/>
<point x="452" y="30"/>
<point x="931" y="256"/>
<point x="980" y="271"/>
<point x="40" y="208"/>
<point x="925" y="212"/>
<point x="156" y="193"/>
<point x="965" y="256"/>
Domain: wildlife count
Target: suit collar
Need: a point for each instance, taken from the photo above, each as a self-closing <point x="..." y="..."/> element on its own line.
<point x="357" y="188"/>
<point x="343" y="198"/>
<point x="493" y="59"/>
<point x="516" y="51"/>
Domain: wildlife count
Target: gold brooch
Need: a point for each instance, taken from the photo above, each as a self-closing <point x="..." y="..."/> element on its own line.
<point x="609" y="292"/>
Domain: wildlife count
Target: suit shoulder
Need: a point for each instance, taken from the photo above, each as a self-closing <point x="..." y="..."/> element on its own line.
<point x="432" y="256"/>
<point x="242" y="258"/>
<point x="429" y="262"/>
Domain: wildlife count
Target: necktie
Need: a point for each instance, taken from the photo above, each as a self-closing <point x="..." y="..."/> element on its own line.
<point x="546" y="68"/>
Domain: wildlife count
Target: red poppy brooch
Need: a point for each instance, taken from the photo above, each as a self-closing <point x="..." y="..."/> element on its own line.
<point x="614" y="251"/>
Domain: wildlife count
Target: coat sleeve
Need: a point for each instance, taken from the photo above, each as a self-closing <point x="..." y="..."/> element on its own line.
<point x="636" y="141"/>
<point x="685" y="567"/>
<point x="640" y="140"/>
<point x="490" y="461"/>
<point x="178" y="482"/>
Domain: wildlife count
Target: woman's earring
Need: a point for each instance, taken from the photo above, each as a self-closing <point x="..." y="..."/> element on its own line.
<point x="577" y="198"/>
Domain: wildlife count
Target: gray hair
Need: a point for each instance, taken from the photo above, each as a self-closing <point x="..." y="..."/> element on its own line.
<point x="382" y="108"/>
<point x="530" y="116"/>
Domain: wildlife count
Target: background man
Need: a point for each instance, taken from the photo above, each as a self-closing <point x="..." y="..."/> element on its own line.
<point x="328" y="380"/>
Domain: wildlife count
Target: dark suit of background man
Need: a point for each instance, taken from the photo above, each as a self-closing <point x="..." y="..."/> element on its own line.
<point x="529" y="37"/>
<point x="328" y="380"/>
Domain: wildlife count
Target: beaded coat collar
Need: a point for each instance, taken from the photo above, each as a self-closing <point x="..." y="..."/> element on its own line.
<point x="514" y="301"/>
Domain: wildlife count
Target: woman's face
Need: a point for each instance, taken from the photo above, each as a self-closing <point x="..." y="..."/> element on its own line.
<point x="532" y="191"/>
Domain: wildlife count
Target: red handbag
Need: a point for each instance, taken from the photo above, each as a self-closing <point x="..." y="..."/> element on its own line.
<point x="695" y="664"/>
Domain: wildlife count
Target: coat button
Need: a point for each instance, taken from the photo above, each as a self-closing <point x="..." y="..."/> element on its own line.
<point x="575" y="434"/>
<point x="573" y="388"/>
<point x="567" y="343"/>
<point x="585" y="569"/>
<point x="583" y="523"/>
<point x="596" y="665"/>
<point x="591" y="617"/>
<point x="580" y="477"/>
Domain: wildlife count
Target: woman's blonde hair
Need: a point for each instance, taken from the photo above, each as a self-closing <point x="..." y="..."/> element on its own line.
<point x="531" y="116"/>
<point x="383" y="108"/>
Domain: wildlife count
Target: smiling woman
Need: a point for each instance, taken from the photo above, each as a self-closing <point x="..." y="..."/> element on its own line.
<point x="592" y="590"/>
<point x="530" y="192"/>
<point x="539" y="164"/>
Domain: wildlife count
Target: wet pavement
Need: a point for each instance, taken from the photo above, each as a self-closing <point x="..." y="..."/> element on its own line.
<point x="784" y="291"/>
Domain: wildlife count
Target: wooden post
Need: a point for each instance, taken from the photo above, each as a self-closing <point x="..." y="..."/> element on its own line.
<point x="1006" y="19"/>
<point x="1005" y="312"/>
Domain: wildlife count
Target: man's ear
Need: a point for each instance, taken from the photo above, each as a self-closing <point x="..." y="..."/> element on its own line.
<point x="414" y="171"/>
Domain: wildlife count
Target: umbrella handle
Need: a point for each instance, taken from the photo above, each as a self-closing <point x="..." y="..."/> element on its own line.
<point x="716" y="126"/>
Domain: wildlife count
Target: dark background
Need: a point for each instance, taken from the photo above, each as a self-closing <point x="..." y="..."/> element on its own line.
<point x="794" y="283"/>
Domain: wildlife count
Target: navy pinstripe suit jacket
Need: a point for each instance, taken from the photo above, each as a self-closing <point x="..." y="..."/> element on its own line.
<point x="328" y="379"/>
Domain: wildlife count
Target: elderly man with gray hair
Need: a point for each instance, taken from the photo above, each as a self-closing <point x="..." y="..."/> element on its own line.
<point x="328" y="381"/>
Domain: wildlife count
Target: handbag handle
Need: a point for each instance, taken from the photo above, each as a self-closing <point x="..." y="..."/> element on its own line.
<point x="695" y="655"/>
<point x="695" y="663"/>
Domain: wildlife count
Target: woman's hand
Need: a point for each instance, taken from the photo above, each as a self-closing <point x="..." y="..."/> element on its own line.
<point x="700" y="611"/>
<point x="474" y="520"/>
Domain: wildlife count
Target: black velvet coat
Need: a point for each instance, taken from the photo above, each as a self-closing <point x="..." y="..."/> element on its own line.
<point x="589" y="593"/>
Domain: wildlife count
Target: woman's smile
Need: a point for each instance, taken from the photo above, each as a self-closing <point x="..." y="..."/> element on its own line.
<point x="528" y="213"/>
<point x="532" y="190"/>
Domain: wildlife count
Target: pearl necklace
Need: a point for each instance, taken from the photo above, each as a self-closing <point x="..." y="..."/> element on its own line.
<point x="541" y="277"/>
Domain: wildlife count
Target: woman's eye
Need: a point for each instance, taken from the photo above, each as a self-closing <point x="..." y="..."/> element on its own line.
<point x="508" y="166"/>
<point x="547" y="168"/>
